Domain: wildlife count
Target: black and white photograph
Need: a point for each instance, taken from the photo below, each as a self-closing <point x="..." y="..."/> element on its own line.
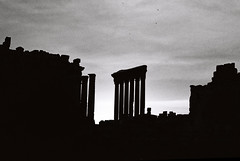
<point x="119" y="80"/>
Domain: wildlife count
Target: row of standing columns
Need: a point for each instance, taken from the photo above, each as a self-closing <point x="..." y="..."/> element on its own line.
<point x="129" y="98"/>
<point x="87" y="95"/>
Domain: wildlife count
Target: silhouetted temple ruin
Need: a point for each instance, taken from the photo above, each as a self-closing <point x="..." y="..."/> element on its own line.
<point x="215" y="106"/>
<point x="128" y="100"/>
<point x="47" y="113"/>
<point x="44" y="92"/>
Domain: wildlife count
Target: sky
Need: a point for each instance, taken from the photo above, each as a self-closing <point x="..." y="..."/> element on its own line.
<point x="181" y="41"/>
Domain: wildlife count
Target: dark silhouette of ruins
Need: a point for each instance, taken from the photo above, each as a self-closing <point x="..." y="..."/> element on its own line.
<point x="43" y="92"/>
<point x="210" y="130"/>
<point x="215" y="106"/>
<point x="47" y="113"/>
<point x="125" y="98"/>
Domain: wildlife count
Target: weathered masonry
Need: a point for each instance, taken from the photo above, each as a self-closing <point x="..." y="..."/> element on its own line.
<point x="44" y="92"/>
<point x="129" y="92"/>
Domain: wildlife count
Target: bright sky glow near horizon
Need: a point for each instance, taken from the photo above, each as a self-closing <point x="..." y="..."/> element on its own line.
<point x="181" y="41"/>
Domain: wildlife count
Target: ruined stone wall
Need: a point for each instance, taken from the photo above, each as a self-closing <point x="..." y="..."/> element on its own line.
<point x="216" y="105"/>
<point x="40" y="91"/>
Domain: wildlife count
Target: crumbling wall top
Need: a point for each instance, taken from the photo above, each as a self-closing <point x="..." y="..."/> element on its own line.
<point x="38" y="55"/>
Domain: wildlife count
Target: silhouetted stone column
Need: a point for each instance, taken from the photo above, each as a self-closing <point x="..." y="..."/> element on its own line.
<point x="80" y="90"/>
<point x="77" y="89"/>
<point x="84" y="94"/>
<point x="127" y="101"/>
<point x="91" y="96"/>
<point x="136" y="97"/>
<point x="142" y="105"/>
<point x="121" y="101"/>
<point x="131" y="97"/>
<point x="126" y="98"/>
<point x="116" y="101"/>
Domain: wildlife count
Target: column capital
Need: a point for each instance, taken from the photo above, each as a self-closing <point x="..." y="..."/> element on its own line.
<point x="92" y="75"/>
<point x="143" y="75"/>
<point x="116" y="81"/>
<point x="84" y="78"/>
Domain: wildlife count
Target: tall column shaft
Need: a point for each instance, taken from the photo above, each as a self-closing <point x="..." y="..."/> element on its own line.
<point x="126" y="98"/>
<point x="131" y="97"/>
<point x="142" y="105"/>
<point x="84" y="94"/>
<point x="91" y="96"/>
<point x="137" y="97"/>
<point x="116" y="102"/>
<point x="80" y="90"/>
<point x="121" y="101"/>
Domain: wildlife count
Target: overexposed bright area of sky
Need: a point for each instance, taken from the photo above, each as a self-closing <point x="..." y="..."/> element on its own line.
<point x="181" y="41"/>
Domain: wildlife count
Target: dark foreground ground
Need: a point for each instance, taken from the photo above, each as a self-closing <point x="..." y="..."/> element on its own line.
<point x="119" y="143"/>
